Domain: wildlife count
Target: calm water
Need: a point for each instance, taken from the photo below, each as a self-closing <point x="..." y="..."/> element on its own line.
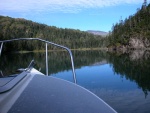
<point x="122" y="80"/>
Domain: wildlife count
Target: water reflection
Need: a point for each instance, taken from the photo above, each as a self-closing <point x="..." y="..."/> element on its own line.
<point x="122" y="94"/>
<point x="121" y="79"/>
<point x="58" y="61"/>
<point x="134" y="66"/>
<point x="10" y="62"/>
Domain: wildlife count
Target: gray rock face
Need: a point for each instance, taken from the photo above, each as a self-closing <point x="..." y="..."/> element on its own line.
<point x="136" y="43"/>
<point x="139" y="42"/>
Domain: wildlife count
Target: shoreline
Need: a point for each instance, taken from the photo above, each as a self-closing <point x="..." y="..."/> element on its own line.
<point x="80" y="49"/>
<point x="88" y="49"/>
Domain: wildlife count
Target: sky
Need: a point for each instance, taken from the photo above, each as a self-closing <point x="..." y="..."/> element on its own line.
<point x="73" y="14"/>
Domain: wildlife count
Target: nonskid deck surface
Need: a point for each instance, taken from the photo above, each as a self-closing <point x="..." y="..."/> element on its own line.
<point x="51" y="95"/>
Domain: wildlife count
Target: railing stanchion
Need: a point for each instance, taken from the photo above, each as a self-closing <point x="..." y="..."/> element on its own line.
<point x="47" y="42"/>
<point x="1" y="48"/>
<point x="46" y="61"/>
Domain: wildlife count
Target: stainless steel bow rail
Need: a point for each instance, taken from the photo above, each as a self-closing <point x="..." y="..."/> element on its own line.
<point x="46" y="42"/>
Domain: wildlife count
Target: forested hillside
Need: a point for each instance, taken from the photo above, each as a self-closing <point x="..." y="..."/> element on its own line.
<point x="133" y="32"/>
<point x="19" y="28"/>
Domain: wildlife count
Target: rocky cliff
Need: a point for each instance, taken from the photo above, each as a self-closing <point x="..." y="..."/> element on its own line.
<point x="139" y="43"/>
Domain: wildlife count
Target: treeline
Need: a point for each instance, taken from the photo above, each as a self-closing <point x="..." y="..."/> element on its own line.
<point x="135" y="26"/>
<point x="20" y="28"/>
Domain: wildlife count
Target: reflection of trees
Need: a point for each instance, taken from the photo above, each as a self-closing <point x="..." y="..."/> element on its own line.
<point x="9" y="63"/>
<point x="58" y="61"/>
<point x="135" y="70"/>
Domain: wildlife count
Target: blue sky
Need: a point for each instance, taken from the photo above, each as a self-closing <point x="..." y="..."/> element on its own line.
<point x="75" y="14"/>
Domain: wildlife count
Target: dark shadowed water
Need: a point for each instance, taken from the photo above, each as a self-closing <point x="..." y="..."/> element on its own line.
<point x="120" y="79"/>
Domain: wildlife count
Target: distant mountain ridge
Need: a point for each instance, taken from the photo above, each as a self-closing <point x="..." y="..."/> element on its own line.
<point x="102" y="33"/>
